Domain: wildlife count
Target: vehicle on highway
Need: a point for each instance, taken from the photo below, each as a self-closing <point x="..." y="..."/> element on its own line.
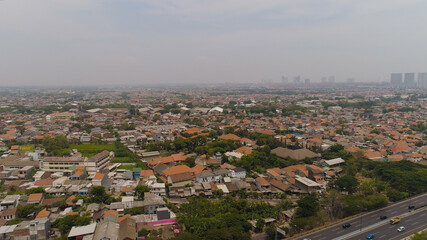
<point x="383" y="217"/>
<point x="401" y="229"/>
<point x="394" y="220"/>
<point x="346" y="225"/>
<point x="411" y="207"/>
<point x="307" y="239"/>
<point x="370" y="236"/>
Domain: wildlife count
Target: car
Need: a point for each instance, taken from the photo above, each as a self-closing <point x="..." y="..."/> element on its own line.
<point x="307" y="239"/>
<point x="401" y="229"/>
<point x="346" y="225"/>
<point x="370" y="236"/>
<point x="383" y="217"/>
<point x="411" y="207"/>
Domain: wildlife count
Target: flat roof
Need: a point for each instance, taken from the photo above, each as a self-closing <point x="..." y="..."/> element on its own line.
<point x="334" y="161"/>
<point x="83" y="230"/>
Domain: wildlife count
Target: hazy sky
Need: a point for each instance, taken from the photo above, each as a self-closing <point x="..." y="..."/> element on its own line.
<point x="104" y="42"/>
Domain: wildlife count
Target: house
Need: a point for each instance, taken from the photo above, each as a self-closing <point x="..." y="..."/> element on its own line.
<point x="81" y="232"/>
<point x="334" y="162"/>
<point x="219" y="174"/>
<point x="262" y="184"/>
<point x="9" y="214"/>
<point x="10" y="201"/>
<point x="99" y="179"/>
<point x="205" y="177"/>
<point x="107" y="230"/>
<point x="175" y="158"/>
<point x="176" y="170"/>
<point x="181" y="179"/>
<point x="152" y="202"/>
<point x="306" y="184"/>
<point x="26" y="171"/>
<point x="298" y="154"/>
<point x="127" y="229"/>
<point x="147" y="175"/>
<point x="35" y="198"/>
<point x="80" y="173"/>
<point x="238" y="172"/>
<point x="37" y="229"/>
<point x="43" y="214"/>
<point x="415" y="157"/>
<point x="127" y="202"/>
<point x="157" y="188"/>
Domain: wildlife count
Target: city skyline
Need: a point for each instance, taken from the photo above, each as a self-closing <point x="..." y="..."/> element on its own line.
<point x="51" y="43"/>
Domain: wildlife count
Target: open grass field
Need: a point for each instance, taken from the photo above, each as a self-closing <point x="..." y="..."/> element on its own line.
<point x="122" y="154"/>
<point x="89" y="150"/>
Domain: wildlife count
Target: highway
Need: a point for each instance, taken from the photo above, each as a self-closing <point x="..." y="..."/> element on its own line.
<point x="412" y="223"/>
<point x="368" y="219"/>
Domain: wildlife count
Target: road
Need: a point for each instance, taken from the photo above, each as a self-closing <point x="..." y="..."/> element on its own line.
<point x="412" y="223"/>
<point x="368" y="219"/>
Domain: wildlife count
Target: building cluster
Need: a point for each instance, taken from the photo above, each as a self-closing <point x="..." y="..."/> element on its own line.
<point x="379" y="124"/>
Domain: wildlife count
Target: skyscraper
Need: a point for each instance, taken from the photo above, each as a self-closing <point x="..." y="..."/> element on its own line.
<point x="331" y="79"/>
<point x="422" y="80"/>
<point x="284" y="79"/>
<point x="307" y="81"/>
<point x="297" y="79"/>
<point x="396" y="79"/>
<point x="409" y="80"/>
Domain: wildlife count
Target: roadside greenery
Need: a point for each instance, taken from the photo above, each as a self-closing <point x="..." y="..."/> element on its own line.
<point x="225" y="219"/>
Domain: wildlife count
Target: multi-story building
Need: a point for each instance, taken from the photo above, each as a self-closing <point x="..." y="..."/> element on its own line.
<point x="99" y="161"/>
<point x="422" y="80"/>
<point x="409" y="80"/>
<point x="396" y="79"/>
<point x="61" y="164"/>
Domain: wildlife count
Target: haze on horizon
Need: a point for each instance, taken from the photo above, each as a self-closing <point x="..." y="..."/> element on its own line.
<point x="104" y="42"/>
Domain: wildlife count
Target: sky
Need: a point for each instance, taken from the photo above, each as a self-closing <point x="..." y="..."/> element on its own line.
<point x="138" y="42"/>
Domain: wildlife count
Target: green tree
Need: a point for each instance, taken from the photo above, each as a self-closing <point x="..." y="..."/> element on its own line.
<point x="259" y="225"/>
<point x="347" y="183"/>
<point x="28" y="210"/>
<point x="420" y="236"/>
<point x="308" y="205"/>
<point x="98" y="195"/>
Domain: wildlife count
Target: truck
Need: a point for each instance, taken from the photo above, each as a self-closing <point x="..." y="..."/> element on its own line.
<point x="394" y="220"/>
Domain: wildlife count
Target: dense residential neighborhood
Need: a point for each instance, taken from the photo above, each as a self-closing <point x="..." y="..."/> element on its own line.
<point x="178" y="164"/>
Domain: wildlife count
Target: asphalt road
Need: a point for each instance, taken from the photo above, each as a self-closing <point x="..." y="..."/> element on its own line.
<point x="368" y="219"/>
<point x="412" y="223"/>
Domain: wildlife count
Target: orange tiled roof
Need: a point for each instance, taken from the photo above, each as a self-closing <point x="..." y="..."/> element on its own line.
<point x="147" y="173"/>
<point x="176" y="169"/>
<point x="35" y="197"/>
<point x="43" y="214"/>
<point x="262" y="181"/>
<point x="112" y="212"/>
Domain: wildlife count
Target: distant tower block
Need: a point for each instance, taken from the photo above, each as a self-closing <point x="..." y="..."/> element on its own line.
<point x="284" y="79"/>
<point x="409" y="80"/>
<point x="422" y="80"/>
<point x="297" y="79"/>
<point x="331" y="79"/>
<point x="396" y="79"/>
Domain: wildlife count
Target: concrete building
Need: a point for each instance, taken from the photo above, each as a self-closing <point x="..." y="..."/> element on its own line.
<point x="396" y="79"/>
<point x="98" y="162"/>
<point x="61" y="164"/>
<point x="409" y="80"/>
<point x="422" y="80"/>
